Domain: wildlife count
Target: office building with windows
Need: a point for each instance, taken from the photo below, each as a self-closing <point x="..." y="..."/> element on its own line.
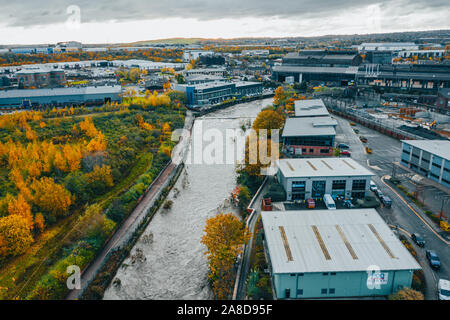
<point x="309" y="136"/>
<point x="313" y="178"/>
<point x="430" y="158"/>
<point x="326" y="254"/>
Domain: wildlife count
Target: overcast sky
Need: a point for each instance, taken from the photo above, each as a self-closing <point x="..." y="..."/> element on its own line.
<point x="109" y="21"/>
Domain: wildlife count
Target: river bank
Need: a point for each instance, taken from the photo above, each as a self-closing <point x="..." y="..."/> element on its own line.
<point x="168" y="261"/>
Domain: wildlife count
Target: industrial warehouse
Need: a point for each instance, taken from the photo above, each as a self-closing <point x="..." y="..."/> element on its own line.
<point x="208" y="93"/>
<point x="311" y="131"/>
<point x="430" y="158"/>
<point x="313" y="178"/>
<point x="60" y="96"/>
<point x="334" y="254"/>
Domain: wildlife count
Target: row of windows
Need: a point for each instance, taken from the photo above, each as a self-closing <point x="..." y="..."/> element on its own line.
<point x="309" y="141"/>
<point x="300" y="186"/>
<point x="436" y="165"/>
<point x="323" y="291"/>
<point x="339" y="184"/>
<point x="359" y="184"/>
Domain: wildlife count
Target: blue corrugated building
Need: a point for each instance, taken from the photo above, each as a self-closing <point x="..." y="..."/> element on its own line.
<point x="60" y="96"/>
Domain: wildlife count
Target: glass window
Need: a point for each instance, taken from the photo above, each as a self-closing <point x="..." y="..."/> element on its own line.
<point x="338" y="184"/>
<point x="324" y="291"/>
<point x="359" y="184"/>
<point x="332" y="291"/>
<point x="299" y="292"/>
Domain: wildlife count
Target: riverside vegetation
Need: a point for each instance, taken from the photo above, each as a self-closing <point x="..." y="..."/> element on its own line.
<point x="68" y="177"/>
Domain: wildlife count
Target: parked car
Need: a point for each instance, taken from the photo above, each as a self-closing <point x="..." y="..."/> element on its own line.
<point x="417" y="238"/>
<point x="386" y="201"/>
<point x="373" y="186"/>
<point x="378" y="193"/>
<point x="343" y="146"/>
<point x="433" y="259"/>
<point x="345" y="153"/>
<point x="311" y="203"/>
<point x="444" y="289"/>
<point x="356" y="131"/>
<point x="363" y="139"/>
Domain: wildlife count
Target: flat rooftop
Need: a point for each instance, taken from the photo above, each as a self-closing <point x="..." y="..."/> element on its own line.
<point x="333" y="241"/>
<point x="25" y="93"/>
<point x="322" y="167"/>
<point x="330" y="70"/>
<point x="309" y="126"/>
<point x="441" y="148"/>
<point x="310" y="108"/>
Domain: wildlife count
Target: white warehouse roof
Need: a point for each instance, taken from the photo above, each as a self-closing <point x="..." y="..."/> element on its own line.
<point x="309" y="126"/>
<point x="333" y="241"/>
<point x="441" y="148"/>
<point x="28" y="93"/>
<point x="322" y="167"/>
<point x="310" y="108"/>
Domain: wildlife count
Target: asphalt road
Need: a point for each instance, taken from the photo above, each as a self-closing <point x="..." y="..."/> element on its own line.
<point x="386" y="150"/>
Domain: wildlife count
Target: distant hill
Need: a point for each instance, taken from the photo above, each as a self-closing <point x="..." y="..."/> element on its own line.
<point x="167" y="41"/>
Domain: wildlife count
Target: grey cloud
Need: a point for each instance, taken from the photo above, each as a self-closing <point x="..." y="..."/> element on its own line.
<point x="29" y="13"/>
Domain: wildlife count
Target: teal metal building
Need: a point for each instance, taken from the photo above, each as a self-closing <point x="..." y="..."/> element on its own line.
<point x="322" y="254"/>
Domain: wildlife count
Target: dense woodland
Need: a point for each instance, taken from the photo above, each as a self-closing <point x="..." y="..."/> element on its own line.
<point x="68" y="177"/>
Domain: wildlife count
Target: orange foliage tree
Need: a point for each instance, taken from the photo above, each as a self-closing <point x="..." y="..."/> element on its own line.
<point x="51" y="197"/>
<point x="15" y="235"/>
<point x="224" y="237"/>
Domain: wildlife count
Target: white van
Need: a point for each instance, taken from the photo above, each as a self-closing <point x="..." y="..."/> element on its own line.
<point x="373" y="186"/>
<point x="444" y="289"/>
<point x="329" y="202"/>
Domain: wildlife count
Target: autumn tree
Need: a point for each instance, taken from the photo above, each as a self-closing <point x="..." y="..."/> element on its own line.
<point x="259" y="154"/>
<point x="88" y="127"/>
<point x="97" y="144"/>
<point x="51" y="197"/>
<point x="269" y="120"/>
<point x="224" y="237"/>
<point x="39" y="222"/>
<point x="280" y="96"/>
<point x="244" y="198"/>
<point x="406" y="294"/>
<point x="100" y="178"/>
<point x="15" y="235"/>
<point x="18" y="206"/>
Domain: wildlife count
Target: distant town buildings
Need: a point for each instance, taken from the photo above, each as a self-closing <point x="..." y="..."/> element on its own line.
<point x="205" y="71"/>
<point x="424" y="54"/>
<point x="338" y="67"/>
<point x="39" y="77"/>
<point x="189" y="55"/>
<point x="387" y="46"/>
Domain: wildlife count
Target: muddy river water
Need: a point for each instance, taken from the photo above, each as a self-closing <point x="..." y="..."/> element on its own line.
<point x="168" y="261"/>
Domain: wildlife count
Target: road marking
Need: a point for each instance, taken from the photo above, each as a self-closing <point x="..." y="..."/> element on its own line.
<point x="415" y="212"/>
